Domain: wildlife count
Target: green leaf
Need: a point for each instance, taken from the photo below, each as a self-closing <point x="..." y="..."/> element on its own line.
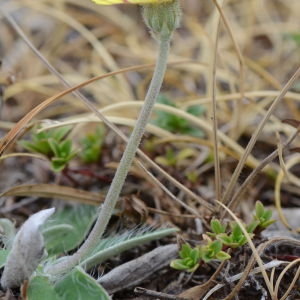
<point x="259" y="209"/>
<point x="54" y="145"/>
<point x="267" y="215"/>
<point x="216" y="226"/>
<point x="79" y="285"/>
<point x="178" y="264"/>
<point x="267" y="223"/>
<point x="75" y="223"/>
<point x="65" y="148"/>
<point x="195" y="255"/>
<point x="59" y="133"/>
<point x="8" y="232"/>
<point x="58" y="164"/>
<point x="185" y="250"/>
<point x="222" y="255"/>
<point x="172" y="122"/>
<point x="225" y="239"/>
<point x="109" y="247"/>
<point x="3" y="256"/>
<point x="91" y="145"/>
<point x="183" y="265"/>
<point x="37" y="147"/>
<point x="242" y="240"/>
<point x="252" y="226"/>
<point x="196" y="110"/>
<point x="40" y="140"/>
<point x="215" y="246"/>
<point x="263" y="216"/>
<point x="236" y="231"/>
<point x="40" y="288"/>
<point x="296" y="37"/>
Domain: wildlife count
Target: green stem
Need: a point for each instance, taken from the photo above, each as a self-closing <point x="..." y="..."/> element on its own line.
<point x="133" y="143"/>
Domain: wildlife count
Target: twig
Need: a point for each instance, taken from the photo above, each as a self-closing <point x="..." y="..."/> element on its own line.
<point x="154" y="294"/>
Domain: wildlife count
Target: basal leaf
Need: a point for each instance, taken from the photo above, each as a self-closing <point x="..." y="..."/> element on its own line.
<point x="79" y="285"/>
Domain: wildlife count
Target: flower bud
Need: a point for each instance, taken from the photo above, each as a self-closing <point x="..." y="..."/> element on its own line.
<point x="162" y="18"/>
<point x="27" y="251"/>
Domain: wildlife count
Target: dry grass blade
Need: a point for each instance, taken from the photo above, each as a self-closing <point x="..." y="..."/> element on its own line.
<point x="212" y="88"/>
<point x="255" y="135"/>
<point x="249" y="270"/>
<point x="296" y="278"/>
<point x="237" y="111"/>
<point x="91" y="106"/>
<point x="279" y="180"/>
<point x="197" y="292"/>
<point x="254" y="251"/>
<point x="54" y="191"/>
<point x="12" y="135"/>
<point x="235" y="199"/>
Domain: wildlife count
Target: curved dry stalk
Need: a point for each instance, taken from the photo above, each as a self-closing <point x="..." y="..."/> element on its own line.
<point x="254" y="251"/>
<point x="280" y="277"/>
<point x="197" y="292"/>
<point x="193" y="120"/>
<point x="294" y="160"/>
<point x="242" y="276"/>
<point x="235" y="199"/>
<point x="255" y="135"/>
<point x="237" y="111"/>
<point x="248" y="269"/>
<point x="75" y="90"/>
<point x="236" y="96"/>
<point x="212" y="89"/>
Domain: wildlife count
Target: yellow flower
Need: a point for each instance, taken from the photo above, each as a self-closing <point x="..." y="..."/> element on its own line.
<point x="109" y="2"/>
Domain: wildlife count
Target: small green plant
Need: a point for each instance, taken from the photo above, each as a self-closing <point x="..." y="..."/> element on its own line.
<point x="235" y="239"/>
<point x="213" y="251"/>
<point x="62" y="154"/>
<point x="40" y="139"/>
<point x="216" y="227"/>
<point x="221" y="237"/>
<point x="191" y="258"/>
<point x="262" y="216"/>
<point x="53" y="144"/>
<point x="173" y="158"/>
<point x="91" y="145"/>
<point x="191" y="176"/>
<point x="174" y="123"/>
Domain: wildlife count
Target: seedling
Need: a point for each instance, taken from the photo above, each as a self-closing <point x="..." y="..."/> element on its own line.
<point x="189" y="259"/>
<point x="174" y="123"/>
<point x="92" y="145"/>
<point x="235" y="239"/>
<point x="262" y="216"/>
<point x="217" y="228"/>
<point x="220" y="237"/>
<point x="40" y="140"/>
<point x="54" y="145"/>
<point x="63" y="154"/>
<point x="213" y="251"/>
<point x="173" y="159"/>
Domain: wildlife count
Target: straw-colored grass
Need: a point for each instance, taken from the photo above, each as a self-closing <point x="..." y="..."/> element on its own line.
<point x="237" y="59"/>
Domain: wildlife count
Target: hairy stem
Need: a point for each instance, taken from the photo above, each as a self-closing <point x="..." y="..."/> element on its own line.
<point x="133" y="143"/>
